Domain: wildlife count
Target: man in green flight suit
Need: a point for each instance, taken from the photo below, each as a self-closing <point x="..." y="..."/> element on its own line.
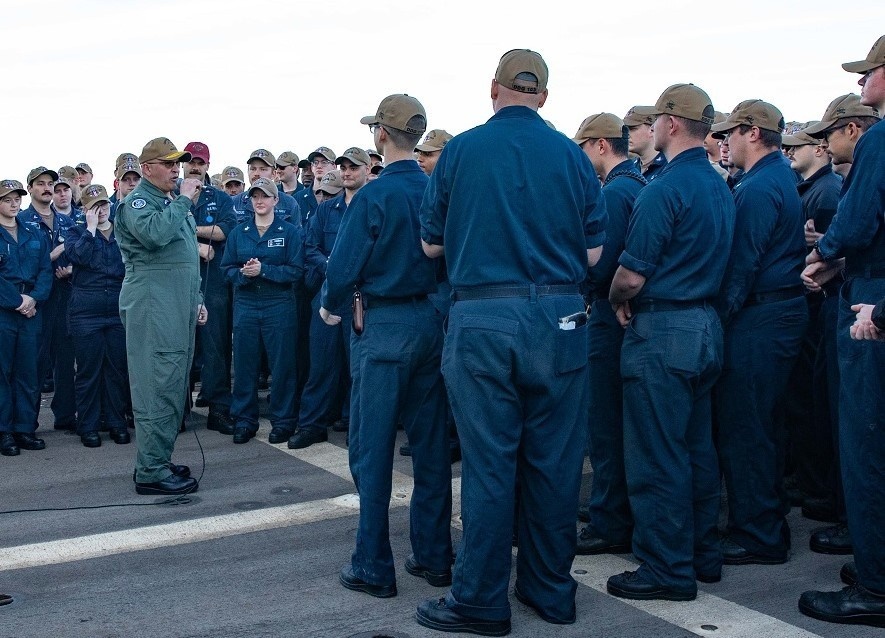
<point x="160" y="305"/>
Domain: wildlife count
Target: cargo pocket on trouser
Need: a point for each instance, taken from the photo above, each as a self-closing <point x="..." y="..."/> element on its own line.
<point x="168" y="383"/>
<point x="572" y="350"/>
<point x="684" y="349"/>
<point x="485" y="344"/>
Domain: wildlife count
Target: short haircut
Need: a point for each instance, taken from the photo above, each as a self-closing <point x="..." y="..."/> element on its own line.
<point x="695" y="129"/>
<point x="407" y="141"/>
<point x="767" y="138"/>
<point x="863" y="122"/>
<point x="619" y="145"/>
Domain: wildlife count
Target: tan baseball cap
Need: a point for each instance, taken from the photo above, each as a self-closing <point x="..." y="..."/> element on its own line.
<point x="518" y="61"/>
<point x="128" y="165"/>
<point x="373" y="153"/>
<point x="875" y="58"/>
<point x="266" y="186"/>
<point x="288" y="158"/>
<point x="682" y="100"/>
<point x="42" y="170"/>
<point x="435" y="140"/>
<point x="843" y="106"/>
<point x="799" y="139"/>
<point x="635" y="119"/>
<point x="162" y="149"/>
<point x="330" y="183"/>
<point x="263" y="155"/>
<point x="753" y="113"/>
<point x="12" y="186"/>
<point x="65" y="181"/>
<point x="322" y="151"/>
<point x="356" y="155"/>
<point x="232" y="174"/>
<point x="84" y="167"/>
<point x="395" y="111"/>
<point x="125" y="158"/>
<point x="92" y="195"/>
<point x="601" y="125"/>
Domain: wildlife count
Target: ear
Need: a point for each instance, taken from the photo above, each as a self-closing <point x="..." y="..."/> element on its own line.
<point x="600" y="146"/>
<point x="494" y="90"/>
<point x="542" y="98"/>
<point x="852" y="131"/>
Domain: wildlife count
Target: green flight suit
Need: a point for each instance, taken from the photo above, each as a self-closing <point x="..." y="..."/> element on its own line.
<point x="158" y="306"/>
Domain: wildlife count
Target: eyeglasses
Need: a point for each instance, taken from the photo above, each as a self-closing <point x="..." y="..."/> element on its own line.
<point x="321" y="162"/>
<point x="374" y="128"/>
<point x="165" y="163"/>
<point x="831" y="131"/>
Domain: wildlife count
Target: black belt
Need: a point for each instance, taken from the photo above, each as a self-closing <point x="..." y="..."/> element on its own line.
<point x="382" y="302"/>
<point x="773" y="295"/>
<point x="664" y="305"/>
<point x="505" y="292"/>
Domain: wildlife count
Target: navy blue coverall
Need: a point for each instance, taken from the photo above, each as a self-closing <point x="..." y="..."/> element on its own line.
<point x="395" y="369"/>
<point x="24" y="269"/>
<point x="264" y="314"/>
<point x="516" y="206"/>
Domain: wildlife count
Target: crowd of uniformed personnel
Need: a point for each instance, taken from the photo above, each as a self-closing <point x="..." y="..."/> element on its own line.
<point x="733" y="277"/>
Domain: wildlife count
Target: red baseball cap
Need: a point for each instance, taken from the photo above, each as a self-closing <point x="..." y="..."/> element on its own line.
<point x="198" y="149"/>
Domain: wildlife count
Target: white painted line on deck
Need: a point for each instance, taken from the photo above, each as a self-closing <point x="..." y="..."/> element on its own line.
<point x="729" y="619"/>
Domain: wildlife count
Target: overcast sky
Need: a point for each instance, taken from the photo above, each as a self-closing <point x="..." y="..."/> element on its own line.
<point x="90" y="79"/>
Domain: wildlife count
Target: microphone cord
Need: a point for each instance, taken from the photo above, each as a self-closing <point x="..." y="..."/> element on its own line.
<point x="179" y="499"/>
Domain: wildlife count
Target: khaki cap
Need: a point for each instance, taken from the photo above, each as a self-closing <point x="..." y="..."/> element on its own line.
<point x="42" y="170"/>
<point x="83" y="166"/>
<point x="435" y="140"/>
<point x="125" y="158"/>
<point x="266" y="186"/>
<point x="875" y="58"/>
<point x="719" y="117"/>
<point x="232" y="174"/>
<point x="162" y="149"/>
<point x="322" y="151"/>
<point x="753" y="113"/>
<point x="92" y="195"/>
<point x="263" y="155"/>
<point x="330" y="183"/>
<point x="635" y="119"/>
<point x="518" y="61"/>
<point x="288" y="158"/>
<point x="356" y="155"/>
<point x="12" y="186"/>
<point x="843" y="106"/>
<point x="800" y="137"/>
<point x="682" y="100"/>
<point x="395" y="111"/>
<point x="64" y="180"/>
<point x="601" y="125"/>
<point x="373" y="153"/>
<point x="129" y="165"/>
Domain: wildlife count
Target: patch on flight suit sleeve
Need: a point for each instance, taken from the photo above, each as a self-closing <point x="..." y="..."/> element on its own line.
<point x="138" y="203"/>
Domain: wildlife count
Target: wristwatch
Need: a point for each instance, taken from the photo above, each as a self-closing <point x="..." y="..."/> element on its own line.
<point x="816" y="247"/>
